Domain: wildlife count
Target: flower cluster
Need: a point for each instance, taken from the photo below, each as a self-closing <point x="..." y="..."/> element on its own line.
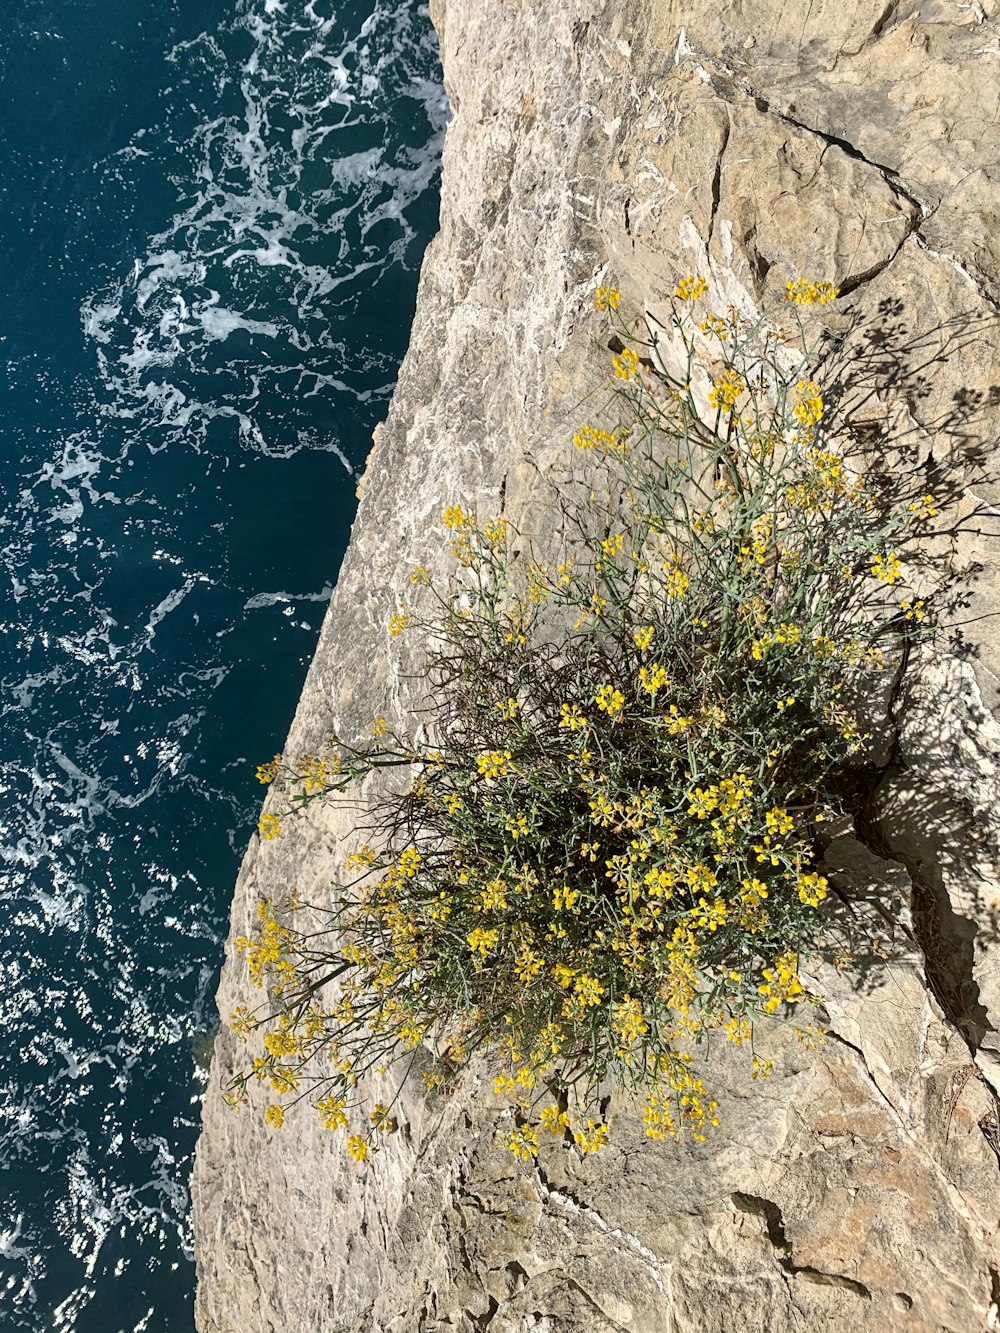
<point x="611" y="848"/>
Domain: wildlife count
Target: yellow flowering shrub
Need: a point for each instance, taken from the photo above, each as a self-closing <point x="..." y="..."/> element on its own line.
<point x="611" y="847"/>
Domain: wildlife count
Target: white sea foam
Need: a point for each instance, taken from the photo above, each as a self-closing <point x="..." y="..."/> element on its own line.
<point x="228" y="339"/>
<point x="262" y="599"/>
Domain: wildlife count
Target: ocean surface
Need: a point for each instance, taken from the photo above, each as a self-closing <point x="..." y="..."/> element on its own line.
<point x="212" y="216"/>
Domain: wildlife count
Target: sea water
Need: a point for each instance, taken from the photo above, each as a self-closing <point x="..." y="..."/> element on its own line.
<point x="212" y="215"/>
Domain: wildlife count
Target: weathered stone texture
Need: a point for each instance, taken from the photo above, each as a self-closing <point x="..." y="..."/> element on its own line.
<point x="858" y="1188"/>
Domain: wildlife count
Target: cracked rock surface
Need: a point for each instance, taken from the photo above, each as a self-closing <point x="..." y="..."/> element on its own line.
<point x="859" y="1187"/>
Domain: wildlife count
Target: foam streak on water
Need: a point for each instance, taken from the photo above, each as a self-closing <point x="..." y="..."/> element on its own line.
<point x="214" y="218"/>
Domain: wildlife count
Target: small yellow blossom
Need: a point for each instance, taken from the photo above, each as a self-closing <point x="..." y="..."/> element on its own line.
<point x="494" y="763"/>
<point x="333" y="1111"/>
<point x="887" y="569"/>
<point x="924" y="508"/>
<point x="781" y="983"/>
<point x="691" y="287"/>
<point x="457" y="520"/>
<point x="357" y="1146"/>
<point x="603" y="441"/>
<point x="804" y="292"/>
<point x="275" y="1115"/>
<point x="571" y="717"/>
<point x="809" y="407"/>
<point x="676" y="581"/>
<point x="643" y="637"/>
<point x="626" y="365"/>
<point x="590" y="1137"/>
<point x="726" y="390"/>
<point x="397" y="623"/>
<point x="523" y="1143"/>
<point x="812" y="889"/>
<point x="610" y="700"/>
<point x="653" y="678"/>
<point x="483" y="941"/>
<point x="269" y="826"/>
<point x="589" y="990"/>
<point x="553" y="1120"/>
<point x="607" y="298"/>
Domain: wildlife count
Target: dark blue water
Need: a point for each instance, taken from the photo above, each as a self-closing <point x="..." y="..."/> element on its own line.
<point x="212" y="214"/>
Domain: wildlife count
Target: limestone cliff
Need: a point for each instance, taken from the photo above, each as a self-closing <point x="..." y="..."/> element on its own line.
<point x="858" y="1188"/>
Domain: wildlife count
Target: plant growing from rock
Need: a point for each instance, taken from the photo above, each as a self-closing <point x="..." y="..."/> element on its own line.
<point x="607" y="853"/>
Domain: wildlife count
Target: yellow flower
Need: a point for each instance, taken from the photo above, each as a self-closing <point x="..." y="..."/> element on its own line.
<point x="594" y="1140"/>
<point x="691" y="287"/>
<point x="332" y="1109"/>
<point x="925" y="508"/>
<point x="913" y="610"/>
<point x="604" y="441"/>
<point x="726" y="390"/>
<point x="653" y="678"/>
<point x="553" y="1120"/>
<point x="703" y="802"/>
<point x="610" y="700"/>
<point x="781" y="983"/>
<point x="626" y="365"/>
<point x="804" y="292"/>
<point x="887" y="569"/>
<point x="493" y="895"/>
<point x="494" y="763"/>
<point x="571" y="717"/>
<point x="563" y="975"/>
<point x="523" y="1143"/>
<point x="419" y="575"/>
<point x="589" y="990"/>
<point x="564" y="897"/>
<point x="607" y="298"/>
<point x="627" y="1021"/>
<point x="808" y="410"/>
<point x="495" y="532"/>
<point x="643" y="637"/>
<point x="812" y="889"/>
<point x="363" y="859"/>
<point x="778" y="820"/>
<point x="676" y="581"/>
<point x="379" y="727"/>
<point x="659" y="882"/>
<point x="275" y="1115"/>
<point x="397" y="623"/>
<point x="483" y="941"/>
<point x="752" y="891"/>
<point x="269" y="826"/>
<point x="457" y="519"/>
<point x="357" y="1146"/>
<point x="677" y="723"/>
<point x="507" y="708"/>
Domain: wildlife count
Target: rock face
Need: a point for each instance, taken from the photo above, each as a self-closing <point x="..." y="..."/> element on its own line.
<point x="858" y="1187"/>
